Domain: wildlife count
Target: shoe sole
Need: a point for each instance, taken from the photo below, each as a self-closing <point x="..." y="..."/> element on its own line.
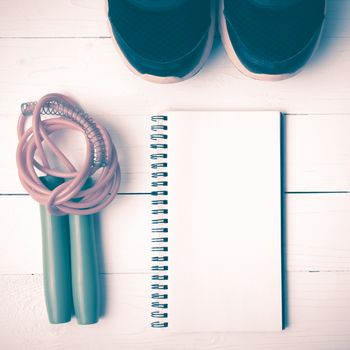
<point x="225" y="38"/>
<point x="169" y="80"/>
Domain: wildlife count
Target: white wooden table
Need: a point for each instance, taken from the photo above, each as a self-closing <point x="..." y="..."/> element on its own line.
<point x="64" y="46"/>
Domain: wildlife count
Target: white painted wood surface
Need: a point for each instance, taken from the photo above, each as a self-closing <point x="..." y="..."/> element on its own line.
<point x="64" y="46"/>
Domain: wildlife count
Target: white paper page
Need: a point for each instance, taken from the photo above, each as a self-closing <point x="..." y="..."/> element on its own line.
<point x="224" y="221"/>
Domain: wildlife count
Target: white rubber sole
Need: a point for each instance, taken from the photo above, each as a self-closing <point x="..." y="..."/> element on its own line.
<point x="225" y="38"/>
<point x="170" y="80"/>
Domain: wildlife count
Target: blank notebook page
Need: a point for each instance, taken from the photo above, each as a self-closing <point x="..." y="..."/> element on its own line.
<point x="224" y="221"/>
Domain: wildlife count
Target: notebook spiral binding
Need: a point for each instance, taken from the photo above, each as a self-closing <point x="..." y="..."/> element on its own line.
<point x="159" y="194"/>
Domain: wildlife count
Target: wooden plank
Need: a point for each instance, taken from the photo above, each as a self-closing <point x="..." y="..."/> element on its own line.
<point x="317" y="232"/>
<point x="316" y="238"/>
<point x="318" y="306"/>
<point x="86" y="18"/>
<point x="91" y="71"/>
<point x="123" y="235"/>
<point x="317" y="152"/>
<point x="36" y="18"/>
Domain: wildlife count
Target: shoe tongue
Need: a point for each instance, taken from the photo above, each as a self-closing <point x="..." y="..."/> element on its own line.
<point x="275" y="4"/>
<point x="157" y="5"/>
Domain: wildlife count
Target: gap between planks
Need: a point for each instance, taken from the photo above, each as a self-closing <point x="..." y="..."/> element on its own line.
<point x="52" y="37"/>
<point x="149" y="193"/>
<point x="150" y="273"/>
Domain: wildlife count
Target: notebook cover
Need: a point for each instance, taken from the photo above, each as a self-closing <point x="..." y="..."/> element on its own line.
<point x="224" y="222"/>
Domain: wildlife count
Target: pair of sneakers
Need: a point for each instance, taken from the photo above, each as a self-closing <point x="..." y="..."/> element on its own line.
<point x="169" y="40"/>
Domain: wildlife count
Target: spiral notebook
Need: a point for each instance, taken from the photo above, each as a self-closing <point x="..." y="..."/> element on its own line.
<point x="216" y="221"/>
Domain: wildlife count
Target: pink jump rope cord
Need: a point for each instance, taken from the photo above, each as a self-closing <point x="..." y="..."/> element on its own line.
<point x="100" y="155"/>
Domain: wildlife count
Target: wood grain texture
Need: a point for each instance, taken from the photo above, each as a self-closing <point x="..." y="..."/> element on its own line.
<point x="124" y="231"/>
<point x="316" y="157"/>
<point x="318" y="153"/>
<point x="316" y="237"/>
<point x="90" y="70"/>
<point x="318" y="320"/>
<point x="86" y="18"/>
<point x="65" y="46"/>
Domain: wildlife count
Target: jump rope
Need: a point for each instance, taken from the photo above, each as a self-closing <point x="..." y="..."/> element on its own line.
<point x="68" y="201"/>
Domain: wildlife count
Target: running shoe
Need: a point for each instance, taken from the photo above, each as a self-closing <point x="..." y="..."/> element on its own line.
<point x="163" y="41"/>
<point x="271" y="39"/>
